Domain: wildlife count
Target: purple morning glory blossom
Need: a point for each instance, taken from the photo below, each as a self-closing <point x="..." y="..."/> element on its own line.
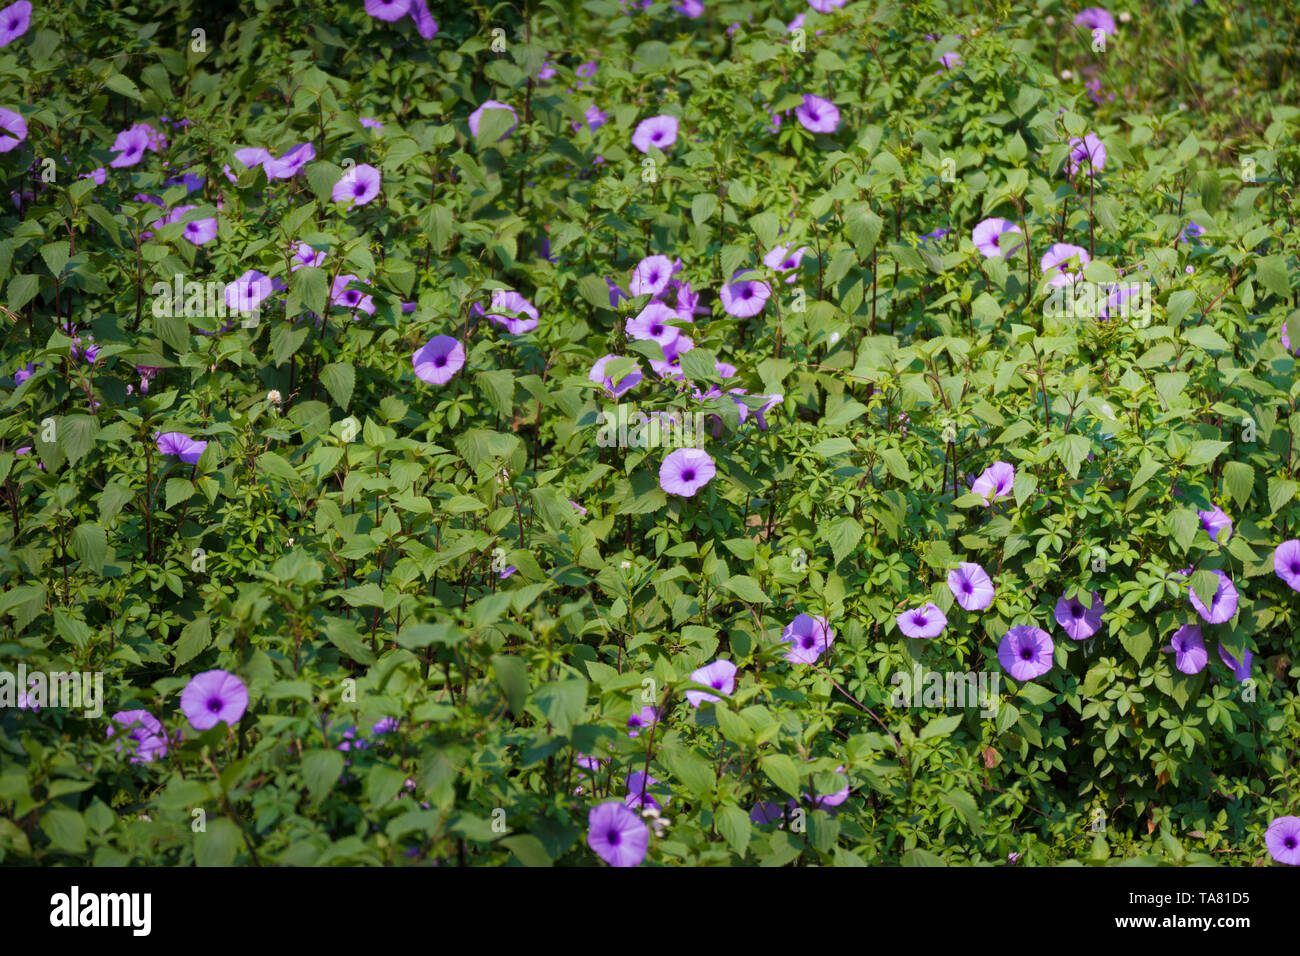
<point x="1222" y="606"/>
<point x="625" y="384"/>
<point x="638" y="782"/>
<point x="647" y="718"/>
<point x="1240" y="668"/>
<point x="720" y="675"/>
<point x="817" y="115"/>
<point x="14" y="21"/>
<point x="1059" y="256"/>
<point x="651" y="276"/>
<point x="809" y="636"/>
<point x="143" y="728"/>
<point x="616" y="834"/>
<point x="1086" y="153"/>
<point x="1096" y="18"/>
<point x="1026" y="652"/>
<point x="827" y="800"/>
<point x="948" y="61"/>
<point x="826" y="6"/>
<point x="476" y="117"/>
<point x="658" y="131"/>
<point x="985" y="236"/>
<point x="438" y="360"/>
<point x="1188" y="648"/>
<point x="971" y="587"/>
<point x="26" y="372"/>
<point x="187" y="449"/>
<point x="1283" y="840"/>
<point x="358" y="185"/>
<point x="651" y="325"/>
<point x="1078" y="621"/>
<point x="352" y="299"/>
<point x="686" y="471"/>
<point x="1286" y="563"/>
<point x="200" y="231"/>
<point x="690" y="8"/>
<point x="995" y="482"/>
<point x="389" y="10"/>
<point x="306" y="256"/>
<point x="1215" y="521"/>
<point x="425" y="24"/>
<point x="922" y="622"/>
<point x="288" y="165"/>
<point x="13" y="129"/>
<point x="508" y="300"/>
<point x="744" y="297"/>
<point x="212" y="697"/>
<point x="1190" y="233"/>
<point x="247" y="292"/>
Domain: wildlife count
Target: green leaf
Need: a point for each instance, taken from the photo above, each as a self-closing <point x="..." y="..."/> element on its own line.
<point x="1239" y="479"/>
<point x="1183" y="524"/>
<point x="747" y="589"/>
<point x="864" y="231"/>
<point x="1204" y="452"/>
<point x="734" y="825"/>
<point x="77" y="435"/>
<point x="527" y="849"/>
<point x="217" y="844"/>
<point x="194" y="640"/>
<point x="1204" y="337"/>
<point x="91" y="545"/>
<point x="339" y="379"/>
<point x="781" y="770"/>
<point x="1136" y="639"/>
<point x="124" y="85"/>
<point x="178" y="490"/>
<point x="562" y="702"/>
<point x="965" y="804"/>
<point x="1270" y="272"/>
<point x="896" y="464"/>
<point x="1073" y="451"/>
<point x="512" y="677"/>
<point x="703" y="205"/>
<point x="695" y="773"/>
<point x="1205" y="584"/>
<point x="310" y="285"/>
<point x="66" y="829"/>
<point x="71" y="629"/>
<point x="499" y="386"/>
<point x="1281" y="491"/>
<point x="940" y="727"/>
<point x="321" y="770"/>
<point x="843" y="537"/>
<point x="22" y="289"/>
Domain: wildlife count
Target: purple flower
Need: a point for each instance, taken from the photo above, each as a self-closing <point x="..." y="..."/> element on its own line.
<point x="764" y="811"/>
<point x="595" y="118"/>
<point x="826" y="6"/>
<point x="824" y="801"/>
<point x="358" y="185"/>
<point x="425" y="24"/>
<point x="577" y="507"/>
<point x="384" y="725"/>
<point x="353" y="299"/>
<point x="949" y="60"/>
<point x="288" y="165"/>
<point x="720" y="675"/>
<point x="14" y="128"/>
<point x="625" y="384"/>
<point x="985" y="236"/>
<point x="506" y="572"/>
<point x="1283" y="840"/>
<point x="26" y="372"/>
<point x="745" y="297"/>
<point x="936" y="235"/>
<point x="1188" y="648"/>
<point x="1240" y="668"/>
<point x="1089" y="151"/>
<point x="246" y="293"/>
<point x="638" y="782"/>
<point x="370" y="123"/>
<point x="1059" y="256"/>
<point x="476" y="117"/>
<point x="389" y="10"/>
<point x="1096" y="18"/>
<point x="616" y="834"/>
<point x="1080" y="622"/>
<point x="142" y="727"/>
<point x="651" y="275"/>
<point x="187" y="449"/>
<point x="200" y="231"/>
<point x="1286" y="563"/>
<point x="1190" y="233"/>
<point x="817" y="115"/>
<point x="438" y="360"/>
<point x="658" y="131"/>
<point x="131" y="144"/>
<point x="781" y="259"/>
<point x="648" y="717"/>
<point x="212" y="697"/>
<point x="686" y="471"/>
<point x="971" y="587"/>
<point x="1222" y="606"/>
<point x="1215" y="521"/>
<point x="761" y="413"/>
<point x="690" y="8"/>
<point x="1026" y="652"/>
<point x="587" y="70"/>
<point x="995" y="482"/>
<point x="651" y="325"/>
<point x="306" y="256"/>
<point x="507" y="300"/>
<point x="14" y="20"/>
<point x="809" y="636"/>
<point x="922" y="622"/>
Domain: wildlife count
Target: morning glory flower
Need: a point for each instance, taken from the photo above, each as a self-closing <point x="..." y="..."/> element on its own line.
<point x="1188" y="648"/>
<point x="438" y="360"/>
<point x="651" y="275"/>
<point x="651" y="325"/>
<point x="26" y="372"/>
<point x="826" y="800"/>
<point x="288" y="165"/>
<point x="476" y="117"/>
<point x="1088" y="151"/>
<point x="1286" y="563"/>
<point x="671" y="366"/>
<point x="647" y="718"/>
<point x="720" y="675"/>
<point x="1059" y="256"/>
<point x="689" y="8"/>
<point x="745" y="297"/>
<point x="130" y="144"/>
<point x="1215" y="521"/>
<point x="1078" y="621"/>
<point x="187" y="449"/>
<point x="247" y="292"/>
<point x="686" y="471"/>
<point x="1096" y="18"/>
<point x="781" y="259"/>
<point x="809" y="636"/>
<point x="353" y="299"/>
<point x="996" y="481"/>
<point x="14" y="21"/>
<point x="985" y="236"/>
<point x="826" y="6"/>
<point x="595" y="118"/>
<point x="306" y="256"/>
<point x="425" y="24"/>
<point x="760" y="414"/>
<point x="142" y="727"/>
<point x="1240" y="668"/>
<point x="1026" y="652"/>
<point x="388" y="9"/>
<point x="508" y="300"/>
<point x="13" y="129"/>
<point x="212" y="697"/>
<point x="817" y="115"/>
<point x="1222" y="606"/>
<point x="358" y="185"/>
<point x="625" y="384"/>
<point x="935" y="235"/>
<point x="638" y="782"/>
<point x="922" y="622"/>
<point x="1283" y="840"/>
<point x="616" y="834"/>
<point x="949" y="61"/>
<point x="971" y="587"/>
<point x="658" y="131"/>
<point x="1190" y="233"/>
